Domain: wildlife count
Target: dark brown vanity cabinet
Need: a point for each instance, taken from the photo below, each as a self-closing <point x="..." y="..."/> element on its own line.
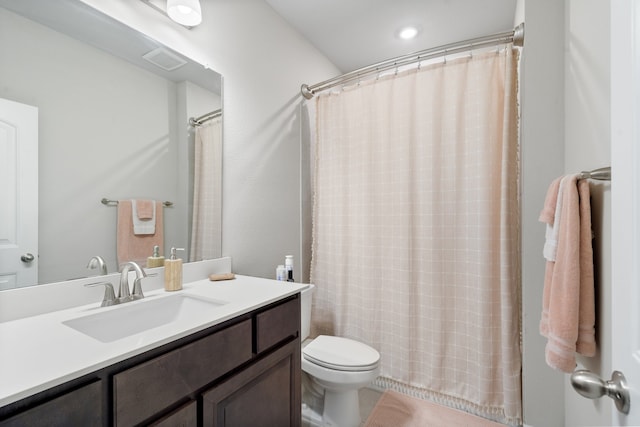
<point x="244" y="372"/>
<point x="80" y="407"/>
<point x="263" y="395"/>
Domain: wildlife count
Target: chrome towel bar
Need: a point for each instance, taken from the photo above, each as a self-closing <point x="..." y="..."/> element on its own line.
<point x="601" y="174"/>
<point x="108" y="202"/>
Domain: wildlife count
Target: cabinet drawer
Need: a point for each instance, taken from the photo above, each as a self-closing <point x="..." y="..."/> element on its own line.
<point x="185" y="416"/>
<point x="149" y="388"/>
<point x="81" y="407"/>
<point x="277" y="324"/>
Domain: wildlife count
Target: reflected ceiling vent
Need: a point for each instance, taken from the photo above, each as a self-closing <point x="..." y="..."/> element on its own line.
<point x="164" y="59"/>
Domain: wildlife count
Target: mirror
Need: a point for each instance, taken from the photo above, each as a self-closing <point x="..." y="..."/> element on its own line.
<point x="110" y="125"/>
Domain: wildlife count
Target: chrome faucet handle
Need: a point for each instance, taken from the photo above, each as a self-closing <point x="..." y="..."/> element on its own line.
<point x="109" y="295"/>
<point x="137" y="286"/>
<point x="137" y="289"/>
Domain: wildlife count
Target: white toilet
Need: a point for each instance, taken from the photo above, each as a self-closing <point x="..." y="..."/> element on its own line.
<point x="334" y="368"/>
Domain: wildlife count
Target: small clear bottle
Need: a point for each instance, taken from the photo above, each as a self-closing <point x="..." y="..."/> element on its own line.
<point x="281" y="273"/>
<point x="288" y="265"/>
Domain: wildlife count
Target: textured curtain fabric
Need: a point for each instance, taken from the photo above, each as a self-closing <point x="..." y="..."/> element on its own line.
<point x="416" y="229"/>
<point x="206" y="232"/>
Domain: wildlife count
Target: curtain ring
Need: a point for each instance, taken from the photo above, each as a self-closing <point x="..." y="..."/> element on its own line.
<point x="445" y="57"/>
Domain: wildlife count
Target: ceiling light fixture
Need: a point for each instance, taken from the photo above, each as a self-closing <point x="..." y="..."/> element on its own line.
<point x="185" y="12"/>
<point x="408" y="33"/>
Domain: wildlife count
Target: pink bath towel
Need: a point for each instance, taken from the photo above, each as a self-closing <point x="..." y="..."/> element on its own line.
<point x="568" y="318"/>
<point x="136" y="247"/>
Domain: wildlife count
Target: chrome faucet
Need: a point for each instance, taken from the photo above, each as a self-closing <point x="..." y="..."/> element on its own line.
<point x="98" y="262"/>
<point x="123" y="293"/>
<point x="109" y="296"/>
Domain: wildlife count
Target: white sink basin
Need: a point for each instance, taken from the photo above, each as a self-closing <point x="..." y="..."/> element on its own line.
<point x="139" y="316"/>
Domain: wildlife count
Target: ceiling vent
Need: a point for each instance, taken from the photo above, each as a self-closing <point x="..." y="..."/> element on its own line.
<point x="164" y="59"/>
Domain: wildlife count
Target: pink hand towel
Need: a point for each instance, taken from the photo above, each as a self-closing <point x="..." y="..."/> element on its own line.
<point x="568" y="296"/>
<point x="145" y="209"/>
<point x="133" y="247"/>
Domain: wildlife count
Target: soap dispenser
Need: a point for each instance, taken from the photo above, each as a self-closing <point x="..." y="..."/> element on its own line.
<point x="173" y="272"/>
<point x="156" y="260"/>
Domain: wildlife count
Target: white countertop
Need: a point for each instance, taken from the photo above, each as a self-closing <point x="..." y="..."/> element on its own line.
<point x="39" y="352"/>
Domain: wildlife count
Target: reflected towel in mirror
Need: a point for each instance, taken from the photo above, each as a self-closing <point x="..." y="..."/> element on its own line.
<point x="133" y="247"/>
<point x="143" y="215"/>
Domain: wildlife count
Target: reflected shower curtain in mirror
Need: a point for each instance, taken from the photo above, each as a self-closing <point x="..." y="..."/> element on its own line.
<point x="416" y="229"/>
<point x="206" y="232"/>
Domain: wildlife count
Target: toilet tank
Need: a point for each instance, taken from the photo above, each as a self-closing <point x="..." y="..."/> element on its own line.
<point x="306" y="296"/>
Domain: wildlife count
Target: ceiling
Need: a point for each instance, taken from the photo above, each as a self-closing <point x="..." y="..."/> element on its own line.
<point x="83" y="22"/>
<point x="357" y="33"/>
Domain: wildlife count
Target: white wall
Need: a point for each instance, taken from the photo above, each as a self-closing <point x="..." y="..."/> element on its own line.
<point x="85" y="98"/>
<point x="565" y="89"/>
<point x="587" y="146"/>
<point x="263" y="62"/>
<point x="542" y="103"/>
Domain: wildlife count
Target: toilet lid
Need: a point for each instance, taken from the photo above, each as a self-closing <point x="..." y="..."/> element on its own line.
<point x="341" y="354"/>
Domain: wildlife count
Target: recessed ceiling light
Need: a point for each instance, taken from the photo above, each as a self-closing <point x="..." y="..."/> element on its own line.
<point x="185" y="12"/>
<point x="408" y="33"/>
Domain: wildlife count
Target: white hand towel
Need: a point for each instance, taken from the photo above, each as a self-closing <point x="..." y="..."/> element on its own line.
<point x="140" y="226"/>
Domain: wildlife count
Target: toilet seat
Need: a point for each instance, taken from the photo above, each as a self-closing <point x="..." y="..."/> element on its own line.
<point x="341" y="354"/>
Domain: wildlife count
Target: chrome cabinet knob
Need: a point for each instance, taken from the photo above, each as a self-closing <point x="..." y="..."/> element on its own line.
<point x="27" y="258"/>
<point x="591" y="386"/>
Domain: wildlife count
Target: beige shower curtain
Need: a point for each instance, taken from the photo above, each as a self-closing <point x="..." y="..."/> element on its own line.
<point x="415" y="234"/>
<point x="206" y="232"/>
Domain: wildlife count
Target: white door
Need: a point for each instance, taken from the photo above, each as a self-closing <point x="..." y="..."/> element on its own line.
<point x="625" y="200"/>
<point x="18" y="194"/>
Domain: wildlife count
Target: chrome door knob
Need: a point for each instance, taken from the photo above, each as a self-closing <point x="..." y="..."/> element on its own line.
<point x="591" y="386"/>
<point x="27" y="258"/>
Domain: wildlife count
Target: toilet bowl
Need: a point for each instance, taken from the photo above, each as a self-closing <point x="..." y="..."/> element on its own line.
<point x="338" y="368"/>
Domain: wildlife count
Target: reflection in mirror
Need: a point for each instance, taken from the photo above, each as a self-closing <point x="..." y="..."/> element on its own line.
<point x="110" y="124"/>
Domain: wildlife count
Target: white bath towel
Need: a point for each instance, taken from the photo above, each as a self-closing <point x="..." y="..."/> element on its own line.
<point x="142" y="226"/>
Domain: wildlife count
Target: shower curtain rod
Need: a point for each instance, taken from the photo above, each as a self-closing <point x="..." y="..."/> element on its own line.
<point x="205" y="117"/>
<point x="515" y="36"/>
